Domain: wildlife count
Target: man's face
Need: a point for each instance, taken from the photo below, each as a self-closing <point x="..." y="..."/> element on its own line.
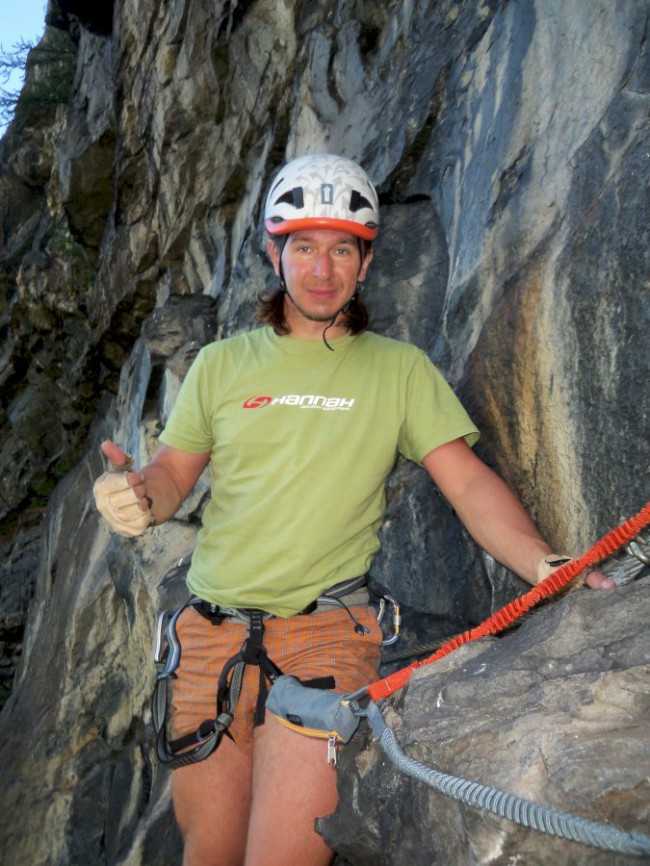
<point x="321" y="269"/>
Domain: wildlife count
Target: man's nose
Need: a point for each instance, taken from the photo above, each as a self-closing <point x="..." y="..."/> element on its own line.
<point x="323" y="265"/>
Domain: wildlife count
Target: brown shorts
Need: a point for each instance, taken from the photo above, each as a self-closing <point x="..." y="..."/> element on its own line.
<point x="321" y="644"/>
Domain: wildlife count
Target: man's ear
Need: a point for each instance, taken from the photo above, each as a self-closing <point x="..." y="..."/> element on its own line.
<point x="273" y="252"/>
<point x="365" y="266"/>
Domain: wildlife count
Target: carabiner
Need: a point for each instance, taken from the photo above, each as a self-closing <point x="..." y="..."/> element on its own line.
<point x="168" y="648"/>
<point x="397" y="618"/>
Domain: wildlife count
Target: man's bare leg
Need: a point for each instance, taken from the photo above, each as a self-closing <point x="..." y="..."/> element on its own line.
<point x="212" y="805"/>
<point x="292" y="785"/>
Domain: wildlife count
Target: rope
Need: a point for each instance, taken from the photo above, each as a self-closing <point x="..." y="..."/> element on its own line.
<point x="510" y="806"/>
<point x="504" y="617"/>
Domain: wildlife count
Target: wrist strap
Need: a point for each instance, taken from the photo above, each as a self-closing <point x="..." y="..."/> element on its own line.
<point x="550" y="563"/>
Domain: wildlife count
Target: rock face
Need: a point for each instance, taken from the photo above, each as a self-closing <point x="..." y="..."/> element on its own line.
<point x="509" y="142"/>
<point x="550" y="713"/>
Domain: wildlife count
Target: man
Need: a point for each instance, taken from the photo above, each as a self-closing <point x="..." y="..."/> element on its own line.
<point x="300" y="421"/>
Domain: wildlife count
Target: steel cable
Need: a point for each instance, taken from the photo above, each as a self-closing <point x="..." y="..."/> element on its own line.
<point x="505" y="805"/>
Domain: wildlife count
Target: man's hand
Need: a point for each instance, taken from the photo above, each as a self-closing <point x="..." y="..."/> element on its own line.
<point x="121" y="495"/>
<point x="119" y="460"/>
<point x="598" y="580"/>
<point x="594" y="579"/>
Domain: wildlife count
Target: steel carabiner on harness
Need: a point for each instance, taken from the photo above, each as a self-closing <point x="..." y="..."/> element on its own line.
<point x="167" y="649"/>
<point x="397" y="618"/>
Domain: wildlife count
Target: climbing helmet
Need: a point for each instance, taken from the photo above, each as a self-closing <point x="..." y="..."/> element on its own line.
<point x="326" y="191"/>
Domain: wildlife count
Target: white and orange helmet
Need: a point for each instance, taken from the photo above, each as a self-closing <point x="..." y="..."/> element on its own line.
<point x="324" y="191"/>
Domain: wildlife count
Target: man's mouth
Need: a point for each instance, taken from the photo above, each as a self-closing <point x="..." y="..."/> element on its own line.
<point x="322" y="293"/>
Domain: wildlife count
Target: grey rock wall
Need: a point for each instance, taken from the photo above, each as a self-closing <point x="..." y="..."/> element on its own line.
<point x="510" y="143"/>
<point x="533" y="714"/>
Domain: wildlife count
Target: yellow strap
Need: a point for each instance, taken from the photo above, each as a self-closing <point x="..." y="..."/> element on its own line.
<point x="309" y="732"/>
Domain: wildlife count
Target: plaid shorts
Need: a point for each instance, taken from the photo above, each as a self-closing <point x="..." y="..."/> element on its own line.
<point x="322" y="644"/>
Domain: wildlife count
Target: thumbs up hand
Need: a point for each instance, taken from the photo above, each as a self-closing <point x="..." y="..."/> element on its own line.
<point x="120" y="461"/>
<point x="121" y="494"/>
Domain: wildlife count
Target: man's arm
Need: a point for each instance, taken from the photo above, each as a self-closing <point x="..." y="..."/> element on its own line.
<point x="492" y="514"/>
<point x="152" y="494"/>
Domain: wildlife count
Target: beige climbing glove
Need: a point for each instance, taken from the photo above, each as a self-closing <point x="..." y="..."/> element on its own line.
<point x="118" y="503"/>
<point x="550" y="563"/>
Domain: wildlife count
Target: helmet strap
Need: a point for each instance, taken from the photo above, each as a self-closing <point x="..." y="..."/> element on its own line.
<point x="326" y="329"/>
<point x="354" y="297"/>
<point x="283" y="282"/>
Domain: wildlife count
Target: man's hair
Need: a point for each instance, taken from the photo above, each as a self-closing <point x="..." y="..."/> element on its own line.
<point x="270" y="307"/>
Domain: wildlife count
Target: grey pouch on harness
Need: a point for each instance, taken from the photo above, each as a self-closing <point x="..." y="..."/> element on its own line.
<point x="313" y="712"/>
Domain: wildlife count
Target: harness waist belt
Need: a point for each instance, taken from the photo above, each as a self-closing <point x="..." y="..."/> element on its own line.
<point x="349" y="593"/>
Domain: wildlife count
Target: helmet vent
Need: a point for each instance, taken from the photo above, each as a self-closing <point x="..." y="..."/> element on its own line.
<point x="358" y="201"/>
<point x="293" y="196"/>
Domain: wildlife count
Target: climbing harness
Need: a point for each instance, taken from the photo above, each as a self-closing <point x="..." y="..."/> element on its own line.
<point x="199" y="744"/>
<point x="337" y="716"/>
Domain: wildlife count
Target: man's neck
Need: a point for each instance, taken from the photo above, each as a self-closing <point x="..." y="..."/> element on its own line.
<point x="302" y="328"/>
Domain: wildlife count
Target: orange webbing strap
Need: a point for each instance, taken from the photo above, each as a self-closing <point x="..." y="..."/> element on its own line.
<point x="512" y="611"/>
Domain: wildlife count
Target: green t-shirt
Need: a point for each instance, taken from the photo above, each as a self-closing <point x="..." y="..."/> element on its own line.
<point x="302" y="440"/>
